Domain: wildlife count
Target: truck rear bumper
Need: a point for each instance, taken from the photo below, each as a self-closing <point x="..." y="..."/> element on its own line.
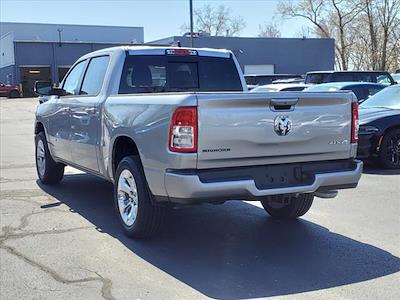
<point x="197" y="186"/>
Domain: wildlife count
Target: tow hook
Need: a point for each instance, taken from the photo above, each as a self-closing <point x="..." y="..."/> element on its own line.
<point x="326" y="194"/>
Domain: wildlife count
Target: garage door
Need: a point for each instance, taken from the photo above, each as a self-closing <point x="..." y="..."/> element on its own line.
<point x="259" y="69"/>
<point x="30" y="74"/>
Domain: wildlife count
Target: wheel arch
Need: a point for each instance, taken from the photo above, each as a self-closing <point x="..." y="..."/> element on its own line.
<point x="122" y="146"/>
<point x="385" y="132"/>
<point x="39" y="127"/>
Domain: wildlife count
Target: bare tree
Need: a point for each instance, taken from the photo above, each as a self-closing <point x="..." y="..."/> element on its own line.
<point x="269" y="30"/>
<point x="216" y="21"/>
<point x="365" y="31"/>
<point x="312" y="10"/>
<point x="330" y="19"/>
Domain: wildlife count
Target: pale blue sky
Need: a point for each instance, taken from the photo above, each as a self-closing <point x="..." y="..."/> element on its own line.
<point x="160" y="18"/>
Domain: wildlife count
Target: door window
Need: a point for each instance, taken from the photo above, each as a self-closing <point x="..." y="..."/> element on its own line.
<point x="383" y="79"/>
<point x="94" y="76"/>
<point x="71" y="83"/>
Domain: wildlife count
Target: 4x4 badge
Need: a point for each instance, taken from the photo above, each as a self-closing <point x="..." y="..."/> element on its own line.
<point x="282" y="125"/>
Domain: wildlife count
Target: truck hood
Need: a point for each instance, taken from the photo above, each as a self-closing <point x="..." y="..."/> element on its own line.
<point x="370" y="114"/>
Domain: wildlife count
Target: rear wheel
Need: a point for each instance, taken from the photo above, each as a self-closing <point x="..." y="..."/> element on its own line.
<point x="288" y="206"/>
<point x="49" y="171"/>
<point x="389" y="153"/>
<point x="14" y="94"/>
<point x="139" y="217"/>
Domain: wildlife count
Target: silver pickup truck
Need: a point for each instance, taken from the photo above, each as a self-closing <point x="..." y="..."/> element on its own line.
<point x="173" y="126"/>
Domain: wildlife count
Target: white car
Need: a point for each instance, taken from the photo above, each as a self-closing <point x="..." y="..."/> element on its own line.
<point x="280" y="87"/>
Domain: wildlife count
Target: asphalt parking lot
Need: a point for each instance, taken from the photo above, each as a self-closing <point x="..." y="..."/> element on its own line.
<point x="64" y="241"/>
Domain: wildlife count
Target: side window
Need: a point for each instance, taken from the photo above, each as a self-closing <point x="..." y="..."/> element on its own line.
<point x="71" y="83"/>
<point x="383" y="79"/>
<point x="94" y="75"/>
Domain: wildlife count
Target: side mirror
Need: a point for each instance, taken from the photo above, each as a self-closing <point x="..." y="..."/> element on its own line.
<point x="45" y="88"/>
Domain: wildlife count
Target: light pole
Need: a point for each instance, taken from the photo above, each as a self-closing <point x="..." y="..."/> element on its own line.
<point x="59" y="36"/>
<point x="191" y="23"/>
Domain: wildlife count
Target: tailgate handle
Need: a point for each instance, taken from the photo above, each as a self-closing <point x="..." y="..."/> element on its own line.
<point x="283" y="104"/>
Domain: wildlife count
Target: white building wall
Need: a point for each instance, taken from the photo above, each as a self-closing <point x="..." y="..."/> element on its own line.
<point x="7" y="50"/>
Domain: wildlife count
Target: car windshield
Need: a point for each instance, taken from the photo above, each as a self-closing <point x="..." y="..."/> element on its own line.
<point x="388" y="97"/>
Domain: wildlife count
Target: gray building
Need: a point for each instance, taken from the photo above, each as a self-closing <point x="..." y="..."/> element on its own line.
<point x="269" y="55"/>
<point x="31" y="52"/>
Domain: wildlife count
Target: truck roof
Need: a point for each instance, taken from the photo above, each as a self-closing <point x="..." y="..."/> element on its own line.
<point x="160" y="50"/>
<point x="333" y="71"/>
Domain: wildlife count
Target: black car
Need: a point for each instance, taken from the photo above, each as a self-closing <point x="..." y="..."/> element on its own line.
<point x="362" y="90"/>
<point x="318" y="77"/>
<point x="262" y="79"/>
<point x="379" y="133"/>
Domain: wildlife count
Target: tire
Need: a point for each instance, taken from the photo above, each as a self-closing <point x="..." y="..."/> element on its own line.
<point x="288" y="206"/>
<point x="139" y="217"/>
<point x="14" y="94"/>
<point x="49" y="171"/>
<point x="389" y="152"/>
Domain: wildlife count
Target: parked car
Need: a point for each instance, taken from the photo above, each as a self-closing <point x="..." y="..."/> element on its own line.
<point x="8" y="90"/>
<point x="290" y="80"/>
<point x="396" y="77"/>
<point x="282" y="87"/>
<point x="165" y="142"/>
<point x="318" y="77"/>
<point x="362" y="90"/>
<point x="379" y="133"/>
<point x="262" y="79"/>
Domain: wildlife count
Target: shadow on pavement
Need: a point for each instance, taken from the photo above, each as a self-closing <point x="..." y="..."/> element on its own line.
<point x="234" y="250"/>
<point x="380" y="171"/>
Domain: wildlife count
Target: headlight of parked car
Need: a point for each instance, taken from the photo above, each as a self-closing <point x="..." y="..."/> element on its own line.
<point x="367" y="130"/>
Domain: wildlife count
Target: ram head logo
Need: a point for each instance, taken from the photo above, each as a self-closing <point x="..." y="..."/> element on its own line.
<point x="282" y="125"/>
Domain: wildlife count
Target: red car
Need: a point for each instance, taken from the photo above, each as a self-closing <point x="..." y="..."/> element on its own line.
<point x="8" y="90"/>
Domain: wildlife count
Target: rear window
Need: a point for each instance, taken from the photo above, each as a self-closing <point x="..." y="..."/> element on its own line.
<point x="318" y="78"/>
<point x="163" y="73"/>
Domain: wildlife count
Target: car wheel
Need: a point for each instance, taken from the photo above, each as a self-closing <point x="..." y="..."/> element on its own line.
<point x="389" y="152"/>
<point x="288" y="206"/>
<point x="49" y="171"/>
<point x="139" y="217"/>
<point x="14" y="94"/>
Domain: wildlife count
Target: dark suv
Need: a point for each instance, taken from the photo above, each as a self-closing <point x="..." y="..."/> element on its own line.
<point x="318" y="77"/>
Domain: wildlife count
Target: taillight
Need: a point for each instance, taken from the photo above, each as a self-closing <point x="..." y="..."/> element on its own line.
<point x="354" y="123"/>
<point x="183" y="130"/>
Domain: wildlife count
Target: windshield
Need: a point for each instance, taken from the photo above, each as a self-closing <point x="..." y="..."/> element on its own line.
<point x="388" y="97"/>
<point x="163" y="73"/>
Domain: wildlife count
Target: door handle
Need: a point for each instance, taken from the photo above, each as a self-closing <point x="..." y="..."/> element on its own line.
<point x="283" y="104"/>
<point x="289" y="101"/>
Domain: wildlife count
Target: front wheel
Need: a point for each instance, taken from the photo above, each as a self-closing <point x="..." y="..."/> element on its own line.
<point x="288" y="206"/>
<point x="389" y="153"/>
<point x="49" y="171"/>
<point x="139" y="217"/>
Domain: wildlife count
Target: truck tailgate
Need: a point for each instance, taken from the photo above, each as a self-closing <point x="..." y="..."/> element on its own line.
<point x="242" y="129"/>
